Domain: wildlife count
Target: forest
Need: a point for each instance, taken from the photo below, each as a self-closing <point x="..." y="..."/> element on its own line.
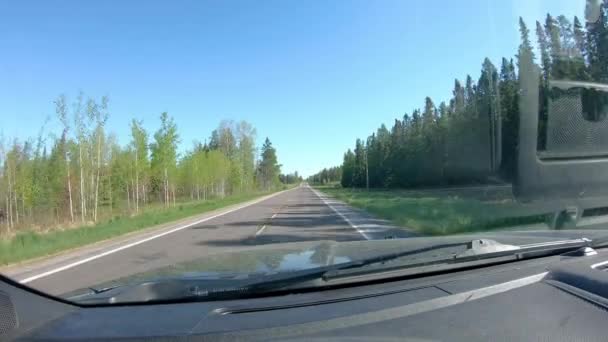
<point x="82" y="175"/>
<point x="472" y="137"/>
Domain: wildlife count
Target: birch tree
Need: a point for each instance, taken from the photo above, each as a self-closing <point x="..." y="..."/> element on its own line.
<point x="164" y="157"/>
<point x="98" y="113"/>
<point x="61" y="111"/>
<point x="139" y="144"/>
<point x="81" y="134"/>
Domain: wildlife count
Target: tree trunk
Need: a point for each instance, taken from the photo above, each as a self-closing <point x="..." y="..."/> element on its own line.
<point x="241" y="178"/>
<point x="173" y="191"/>
<point x="166" y="188"/>
<point x="136" y="184"/>
<point x="10" y="199"/>
<point x="67" y="166"/>
<point x="110" y="195"/>
<point x="91" y="198"/>
<point x="15" y="200"/>
<point x="83" y="206"/>
<point x="128" y="199"/>
<point x="134" y="194"/>
<point x="9" y="222"/>
<point x="23" y="214"/>
<point x="97" y="180"/>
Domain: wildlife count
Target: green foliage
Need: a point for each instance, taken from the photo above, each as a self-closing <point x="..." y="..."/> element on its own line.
<point x="473" y="137"/>
<point x="164" y="158"/>
<point x="327" y="175"/>
<point x="290" y="178"/>
<point x="268" y="167"/>
<point x="86" y="177"/>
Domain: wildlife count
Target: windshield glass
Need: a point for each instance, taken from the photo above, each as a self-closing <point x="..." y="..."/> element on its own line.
<point x="230" y="141"/>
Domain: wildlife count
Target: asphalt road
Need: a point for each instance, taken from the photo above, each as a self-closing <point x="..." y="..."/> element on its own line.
<point x="300" y="214"/>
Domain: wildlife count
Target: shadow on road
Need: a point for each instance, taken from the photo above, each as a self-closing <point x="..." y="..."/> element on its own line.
<point x="308" y="205"/>
<point x="337" y="234"/>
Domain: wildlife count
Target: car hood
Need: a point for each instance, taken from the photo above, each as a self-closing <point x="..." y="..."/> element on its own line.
<point x="285" y="257"/>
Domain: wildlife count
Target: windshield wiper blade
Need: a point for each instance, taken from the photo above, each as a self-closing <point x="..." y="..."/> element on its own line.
<point x="192" y="289"/>
<point x="478" y="252"/>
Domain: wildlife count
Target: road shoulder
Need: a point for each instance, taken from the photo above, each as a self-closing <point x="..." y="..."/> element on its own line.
<point x="30" y="270"/>
<point x="369" y="226"/>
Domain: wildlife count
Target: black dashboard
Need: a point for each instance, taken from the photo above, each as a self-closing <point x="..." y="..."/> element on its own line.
<point x="553" y="298"/>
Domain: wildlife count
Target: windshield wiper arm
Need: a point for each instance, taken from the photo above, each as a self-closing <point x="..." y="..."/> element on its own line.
<point x="193" y="289"/>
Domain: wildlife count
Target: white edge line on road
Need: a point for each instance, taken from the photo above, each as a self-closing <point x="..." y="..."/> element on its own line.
<point x="274" y="215"/>
<point x="129" y="245"/>
<point x="352" y="225"/>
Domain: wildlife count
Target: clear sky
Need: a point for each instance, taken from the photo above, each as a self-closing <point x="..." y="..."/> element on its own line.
<point x="311" y="75"/>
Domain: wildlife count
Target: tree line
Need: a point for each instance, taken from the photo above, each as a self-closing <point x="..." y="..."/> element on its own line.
<point x="290" y="178"/>
<point x="81" y="174"/>
<point x="327" y="175"/>
<point x="473" y="136"/>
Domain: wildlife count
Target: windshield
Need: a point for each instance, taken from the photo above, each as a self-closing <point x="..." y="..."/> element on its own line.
<point x="238" y="141"/>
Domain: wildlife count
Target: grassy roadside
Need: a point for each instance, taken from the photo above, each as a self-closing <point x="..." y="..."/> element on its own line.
<point x="432" y="214"/>
<point x="29" y="245"/>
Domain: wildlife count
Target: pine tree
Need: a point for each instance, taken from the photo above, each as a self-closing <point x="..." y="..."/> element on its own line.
<point x="359" y="175"/>
<point x="469" y="95"/>
<point x="510" y="118"/>
<point x="543" y="46"/>
<point x="458" y="101"/>
<point x="524" y="52"/>
<point x="597" y="45"/>
<point x="558" y="59"/>
<point x="268" y="167"/>
<point x="579" y="37"/>
<point x="579" y="68"/>
<point x="348" y="169"/>
<point x="489" y="110"/>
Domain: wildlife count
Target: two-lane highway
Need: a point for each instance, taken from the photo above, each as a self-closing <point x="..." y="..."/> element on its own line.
<point x="300" y="214"/>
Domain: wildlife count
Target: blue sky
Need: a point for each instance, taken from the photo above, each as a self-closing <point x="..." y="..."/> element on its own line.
<point x="311" y="75"/>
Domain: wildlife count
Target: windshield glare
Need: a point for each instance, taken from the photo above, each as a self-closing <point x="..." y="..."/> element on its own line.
<point x="231" y="140"/>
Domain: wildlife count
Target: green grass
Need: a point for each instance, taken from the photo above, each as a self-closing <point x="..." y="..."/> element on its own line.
<point x="28" y="245"/>
<point x="436" y="215"/>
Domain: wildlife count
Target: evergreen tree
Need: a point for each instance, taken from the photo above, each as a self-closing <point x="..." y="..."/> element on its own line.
<point x="543" y="46"/>
<point x="579" y="68"/>
<point x="510" y="118"/>
<point x="597" y="44"/>
<point x="268" y="167"/>
<point x="458" y="102"/>
<point x="348" y="169"/>
<point x="524" y="52"/>
<point x="359" y="170"/>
